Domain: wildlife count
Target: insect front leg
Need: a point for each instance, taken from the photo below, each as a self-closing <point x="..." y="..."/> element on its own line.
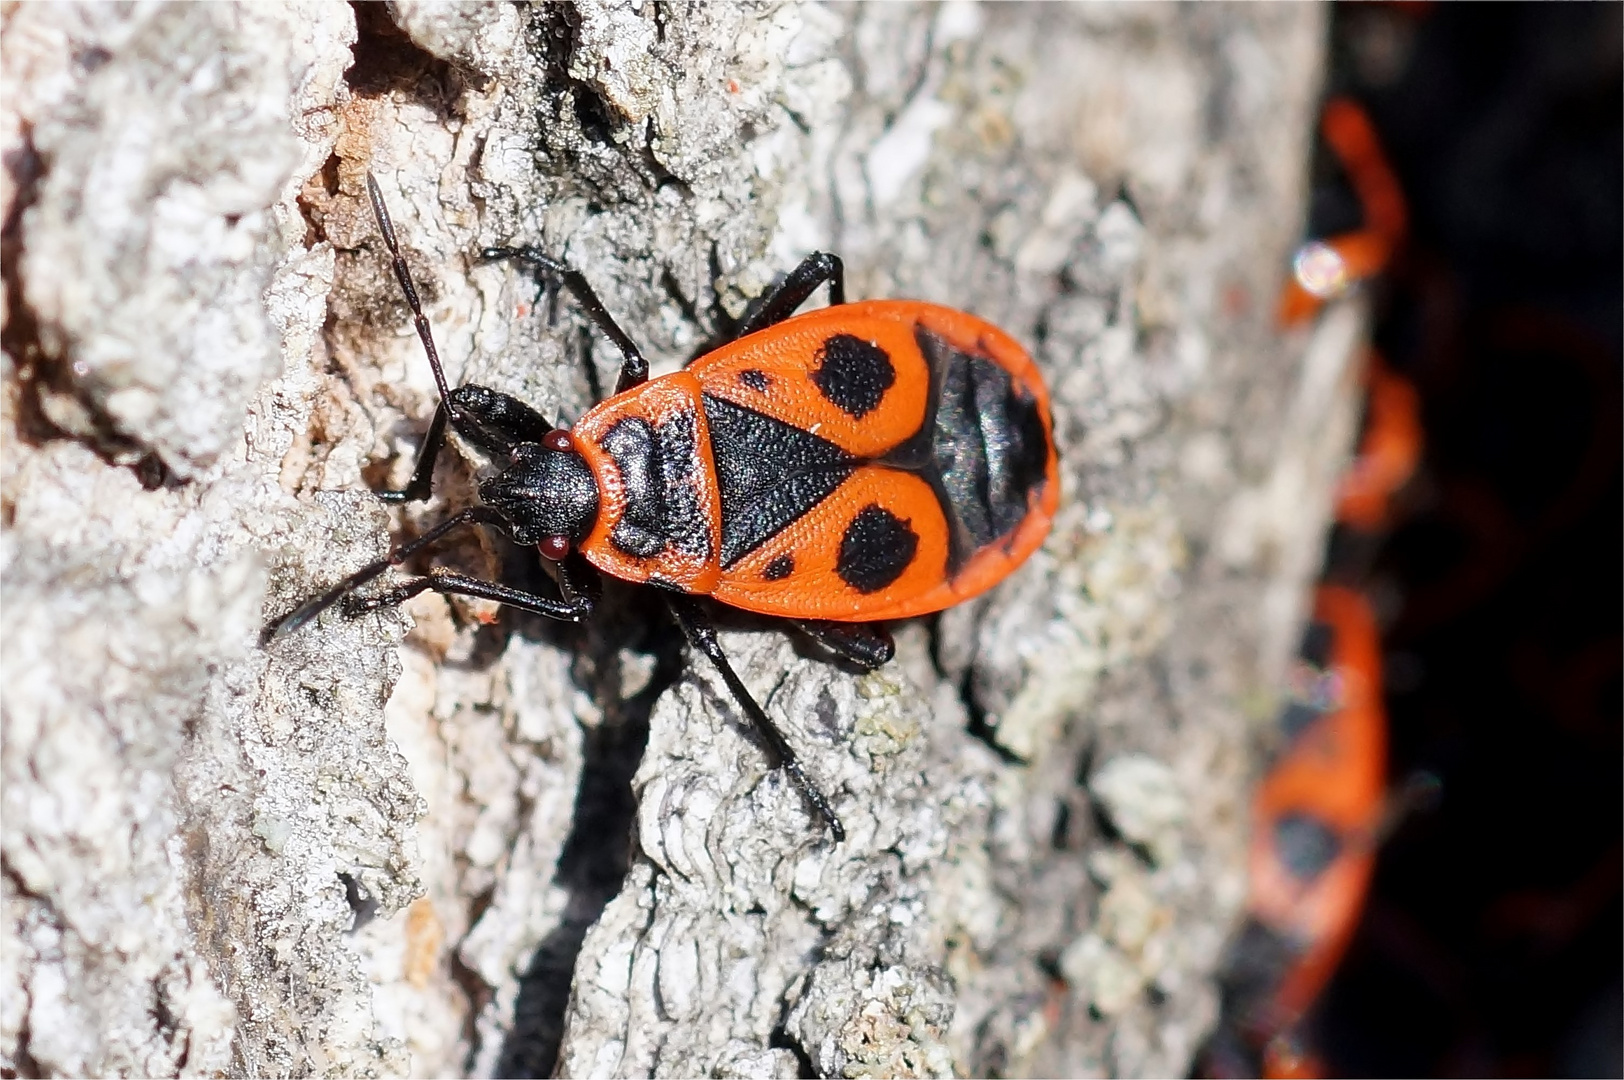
<point x="701" y="634"/>
<point x="633" y="366"/>
<point x="421" y="485"/>
<point x="579" y="578"/>
<point x="798" y="284"/>
<point x="491" y="420"/>
<point x="449" y="583"/>
<point x="574" y="607"/>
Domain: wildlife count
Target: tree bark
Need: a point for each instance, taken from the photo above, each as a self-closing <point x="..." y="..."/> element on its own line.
<point x="441" y="842"/>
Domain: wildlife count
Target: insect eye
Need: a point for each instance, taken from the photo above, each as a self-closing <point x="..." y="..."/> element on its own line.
<point x="558" y="439"/>
<point x="554" y="547"/>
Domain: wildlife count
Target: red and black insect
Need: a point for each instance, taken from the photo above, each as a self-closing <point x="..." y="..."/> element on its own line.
<point x="1320" y="810"/>
<point x="1338" y="259"/>
<point x="1317" y="821"/>
<point x="862" y="462"/>
<point x="1320" y="813"/>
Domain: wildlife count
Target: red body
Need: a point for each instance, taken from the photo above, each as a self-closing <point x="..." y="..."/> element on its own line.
<point x="853" y="390"/>
<point x="1389" y="450"/>
<point x="1332" y="773"/>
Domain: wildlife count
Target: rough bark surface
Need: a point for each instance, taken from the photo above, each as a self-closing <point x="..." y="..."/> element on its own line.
<point x="437" y="842"/>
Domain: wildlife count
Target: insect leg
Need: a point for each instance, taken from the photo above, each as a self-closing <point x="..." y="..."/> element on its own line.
<point x="633" y="367"/>
<point x="701" y="634"/>
<point x="454" y="584"/>
<point x="420" y="485"/>
<point x="579" y="578"/>
<point x="798" y="284"/>
<point x="867" y="645"/>
<point x="571" y="609"/>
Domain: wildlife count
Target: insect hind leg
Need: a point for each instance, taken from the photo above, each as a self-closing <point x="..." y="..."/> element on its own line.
<point x="701" y="634"/>
<point x="864" y="645"/>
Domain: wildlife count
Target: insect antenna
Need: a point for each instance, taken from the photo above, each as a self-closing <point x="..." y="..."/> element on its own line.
<point x="404" y="276"/>
<point x="422" y="474"/>
<point x="304" y="613"/>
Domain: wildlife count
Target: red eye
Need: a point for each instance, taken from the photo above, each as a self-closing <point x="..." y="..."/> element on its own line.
<point x="554" y="547"/>
<point x="558" y="439"/>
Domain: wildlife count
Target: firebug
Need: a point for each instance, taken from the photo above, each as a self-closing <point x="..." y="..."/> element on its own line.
<point x="837" y="469"/>
<point x="1317" y="817"/>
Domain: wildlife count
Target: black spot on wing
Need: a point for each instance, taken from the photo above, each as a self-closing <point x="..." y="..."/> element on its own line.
<point x="780" y="568"/>
<point x="1318" y="638"/>
<point x="1306" y="845"/>
<point x="853" y="374"/>
<point x="755" y="379"/>
<point x="769" y="473"/>
<point x="875" y="550"/>
<point x="1296" y="718"/>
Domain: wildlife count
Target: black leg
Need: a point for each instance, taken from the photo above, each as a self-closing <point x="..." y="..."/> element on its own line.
<point x="633" y="368"/>
<point x="420" y="486"/>
<point x="798" y="284"/>
<point x="476" y="515"/>
<point x="696" y="625"/>
<point x="454" y="584"/>
<point x="571" y="609"/>
<point x="579" y="578"/>
<point x="867" y="645"/>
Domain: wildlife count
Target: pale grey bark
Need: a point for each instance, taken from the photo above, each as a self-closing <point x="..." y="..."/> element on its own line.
<point x="399" y="843"/>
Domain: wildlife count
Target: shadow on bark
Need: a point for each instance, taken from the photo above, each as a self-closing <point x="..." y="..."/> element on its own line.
<point x="597" y="854"/>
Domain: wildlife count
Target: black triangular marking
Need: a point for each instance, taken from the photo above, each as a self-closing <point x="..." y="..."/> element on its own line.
<point x="770" y="474"/>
